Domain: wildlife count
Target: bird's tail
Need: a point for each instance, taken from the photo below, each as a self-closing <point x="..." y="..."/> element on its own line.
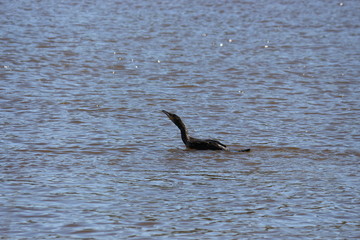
<point x="244" y="150"/>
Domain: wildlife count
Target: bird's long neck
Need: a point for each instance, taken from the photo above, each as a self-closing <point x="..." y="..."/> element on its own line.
<point x="184" y="134"/>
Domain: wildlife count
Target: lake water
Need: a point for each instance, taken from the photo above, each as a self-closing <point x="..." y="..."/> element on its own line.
<point x="86" y="152"/>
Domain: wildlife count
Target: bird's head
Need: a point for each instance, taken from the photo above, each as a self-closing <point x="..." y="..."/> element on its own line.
<point x="174" y="118"/>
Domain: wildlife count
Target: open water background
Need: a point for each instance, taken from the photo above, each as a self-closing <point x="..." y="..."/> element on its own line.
<point x="87" y="154"/>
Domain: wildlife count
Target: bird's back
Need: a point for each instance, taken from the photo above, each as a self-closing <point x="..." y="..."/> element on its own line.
<point x="205" y="144"/>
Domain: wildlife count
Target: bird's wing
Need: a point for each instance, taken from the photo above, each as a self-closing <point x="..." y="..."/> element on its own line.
<point x="206" y="144"/>
<point x="212" y="141"/>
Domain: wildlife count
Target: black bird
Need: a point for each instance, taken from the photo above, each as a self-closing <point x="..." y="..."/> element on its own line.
<point x="195" y="143"/>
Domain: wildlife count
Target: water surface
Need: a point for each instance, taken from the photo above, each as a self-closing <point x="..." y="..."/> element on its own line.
<point x="87" y="153"/>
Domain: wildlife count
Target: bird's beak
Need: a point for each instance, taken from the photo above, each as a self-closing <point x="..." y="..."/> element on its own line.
<point x="167" y="113"/>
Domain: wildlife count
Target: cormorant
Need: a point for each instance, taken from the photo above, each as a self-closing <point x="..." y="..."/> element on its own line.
<point x="195" y="143"/>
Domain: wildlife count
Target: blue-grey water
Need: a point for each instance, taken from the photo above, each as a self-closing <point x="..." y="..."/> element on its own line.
<point x="86" y="152"/>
